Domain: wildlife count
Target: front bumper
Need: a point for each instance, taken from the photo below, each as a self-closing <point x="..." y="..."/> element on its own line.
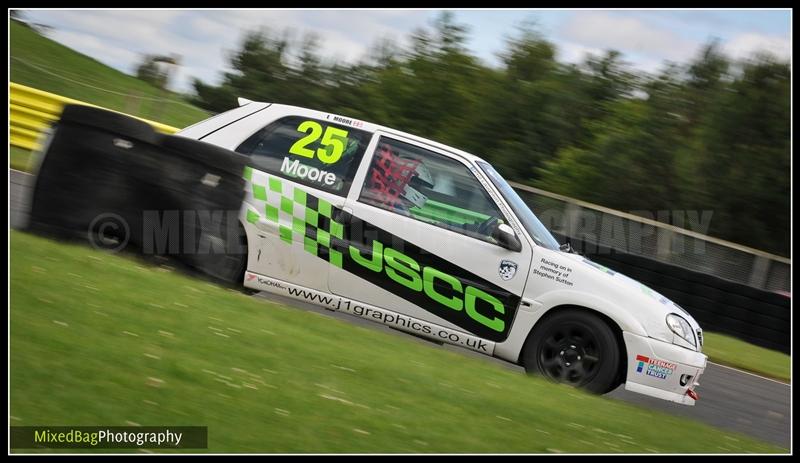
<point x="661" y="369"/>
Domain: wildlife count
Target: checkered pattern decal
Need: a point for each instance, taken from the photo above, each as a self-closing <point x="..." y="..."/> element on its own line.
<point x="300" y="217"/>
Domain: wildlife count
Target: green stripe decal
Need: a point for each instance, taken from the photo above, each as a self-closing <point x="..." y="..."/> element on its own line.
<point x="312" y="217"/>
<point x="259" y="192"/>
<point x="275" y="185"/>
<point x="323" y="238"/>
<point x="298" y="226"/>
<point x="300" y="197"/>
<point x="272" y="213"/>
<point x="324" y="208"/>
<point x="286" y="233"/>
<point x="252" y="217"/>
<point x="312" y="226"/>
<point x="310" y="245"/>
<point x="337" y="230"/>
<point x="287" y="205"/>
<point x="335" y="257"/>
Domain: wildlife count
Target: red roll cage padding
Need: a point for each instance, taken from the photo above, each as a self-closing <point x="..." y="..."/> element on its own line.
<point x="390" y="175"/>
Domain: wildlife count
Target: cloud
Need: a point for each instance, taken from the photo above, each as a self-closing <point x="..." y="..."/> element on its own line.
<point x="115" y="56"/>
<point x="576" y="53"/>
<point x="745" y="45"/>
<point x="647" y="44"/>
<point x="572" y="52"/>
<point x="202" y="26"/>
<point x="627" y="34"/>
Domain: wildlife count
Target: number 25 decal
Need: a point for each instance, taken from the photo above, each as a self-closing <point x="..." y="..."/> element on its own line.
<point x="333" y="142"/>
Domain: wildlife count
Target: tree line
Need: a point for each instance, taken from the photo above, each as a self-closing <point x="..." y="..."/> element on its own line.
<point x="709" y="134"/>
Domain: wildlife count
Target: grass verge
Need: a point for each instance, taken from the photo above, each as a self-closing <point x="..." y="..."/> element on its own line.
<point x="99" y="339"/>
<point x="727" y="350"/>
<point x="42" y="63"/>
<point x="18" y="158"/>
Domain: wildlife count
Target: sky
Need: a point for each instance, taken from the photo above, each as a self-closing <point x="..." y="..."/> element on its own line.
<point x="204" y="38"/>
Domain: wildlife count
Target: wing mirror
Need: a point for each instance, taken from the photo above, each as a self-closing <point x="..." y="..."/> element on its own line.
<point x="506" y="237"/>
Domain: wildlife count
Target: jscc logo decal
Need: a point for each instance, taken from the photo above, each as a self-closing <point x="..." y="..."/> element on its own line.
<point x="406" y="271"/>
<point x="652" y="367"/>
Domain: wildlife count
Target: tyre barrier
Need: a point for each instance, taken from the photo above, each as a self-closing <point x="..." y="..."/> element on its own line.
<point x="113" y="180"/>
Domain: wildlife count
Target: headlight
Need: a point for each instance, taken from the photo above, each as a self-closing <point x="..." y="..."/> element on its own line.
<point x="681" y="327"/>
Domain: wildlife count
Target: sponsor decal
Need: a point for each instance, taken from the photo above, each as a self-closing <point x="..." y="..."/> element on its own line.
<point x="375" y="314"/>
<point x="253" y="277"/>
<point x="378" y="256"/>
<point x="551" y="270"/>
<point x="344" y="120"/>
<point x="653" y="367"/>
<point x="507" y="269"/>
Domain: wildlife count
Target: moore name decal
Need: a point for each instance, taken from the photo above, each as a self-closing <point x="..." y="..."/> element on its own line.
<point x="344" y="120"/>
<point x="302" y="171"/>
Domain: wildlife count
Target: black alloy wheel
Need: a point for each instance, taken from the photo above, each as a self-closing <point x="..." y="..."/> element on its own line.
<point x="574" y="347"/>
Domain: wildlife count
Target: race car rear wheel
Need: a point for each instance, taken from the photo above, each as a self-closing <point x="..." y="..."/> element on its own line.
<point x="574" y="347"/>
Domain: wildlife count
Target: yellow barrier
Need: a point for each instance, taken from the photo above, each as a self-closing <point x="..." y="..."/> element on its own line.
<point x="33" y="110"/>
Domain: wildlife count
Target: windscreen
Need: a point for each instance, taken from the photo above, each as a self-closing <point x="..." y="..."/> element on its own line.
<point x="540" y="234"/>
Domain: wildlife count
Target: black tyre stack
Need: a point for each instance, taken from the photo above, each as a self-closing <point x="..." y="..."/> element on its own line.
<point x="105" y="168"/>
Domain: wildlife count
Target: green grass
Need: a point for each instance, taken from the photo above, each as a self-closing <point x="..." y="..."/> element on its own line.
<point x="736" y="353"/>
<point x="18" y="158"/>
<point x="35" y="59"/>
<point x="99" y="339"/>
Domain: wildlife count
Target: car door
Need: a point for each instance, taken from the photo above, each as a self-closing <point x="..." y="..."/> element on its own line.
<point x="418" y="241"/>
<point x="300" y="171"/>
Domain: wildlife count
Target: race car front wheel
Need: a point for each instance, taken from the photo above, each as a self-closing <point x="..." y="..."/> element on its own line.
<point x="574" y="347"/>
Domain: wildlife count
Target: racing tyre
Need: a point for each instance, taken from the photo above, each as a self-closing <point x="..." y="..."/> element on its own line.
<point x="574" y="347"/>
<point x="227" y="266"/>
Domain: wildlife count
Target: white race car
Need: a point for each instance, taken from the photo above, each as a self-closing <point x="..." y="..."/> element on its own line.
<point x="431" y="240"/>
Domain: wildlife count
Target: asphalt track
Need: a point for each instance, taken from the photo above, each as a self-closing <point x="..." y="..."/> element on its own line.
<point x="729" y="398"/>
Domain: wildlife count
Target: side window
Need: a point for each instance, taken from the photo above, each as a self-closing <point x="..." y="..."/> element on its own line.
<point x="312" y="152"/>
<point x="429" y="187"/>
